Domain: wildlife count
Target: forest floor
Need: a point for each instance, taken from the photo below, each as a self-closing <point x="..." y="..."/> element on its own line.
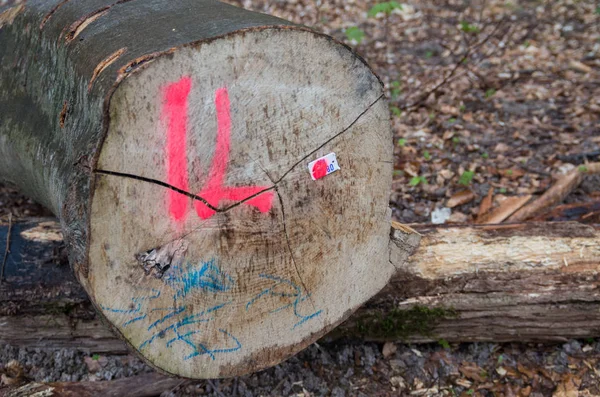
<point x="489" y="99"/>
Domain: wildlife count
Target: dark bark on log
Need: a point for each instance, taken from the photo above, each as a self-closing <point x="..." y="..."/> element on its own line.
<point x="521" y="291"/>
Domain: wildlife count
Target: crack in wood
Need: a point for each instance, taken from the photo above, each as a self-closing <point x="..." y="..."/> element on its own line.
<point x="273" y="187"/>
<point x="287" y="239"/>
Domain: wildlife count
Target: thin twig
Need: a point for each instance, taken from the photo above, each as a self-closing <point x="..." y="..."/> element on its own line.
<point x="215" y="388"/>
<point x="449" y="76"/>
<point x="7" y="248"/>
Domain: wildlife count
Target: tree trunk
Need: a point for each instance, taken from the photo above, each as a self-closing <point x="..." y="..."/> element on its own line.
<point x="524" y="282"/>
<point x="172" y="140"/>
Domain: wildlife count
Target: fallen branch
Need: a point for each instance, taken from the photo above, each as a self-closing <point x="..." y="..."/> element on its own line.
<point x="556" y="194"/>
<point x="147" y="385"/>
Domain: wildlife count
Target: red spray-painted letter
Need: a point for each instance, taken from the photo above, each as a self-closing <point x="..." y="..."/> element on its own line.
<point x="175" y="114"/>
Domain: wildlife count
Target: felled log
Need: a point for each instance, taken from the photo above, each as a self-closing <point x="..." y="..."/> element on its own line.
<point x="524" y="282"/>
<point x="221" y="177"/>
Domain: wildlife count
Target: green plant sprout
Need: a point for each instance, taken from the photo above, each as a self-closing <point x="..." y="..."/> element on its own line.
<point x="416" y="180"/>
<point x="385" y="8"/>
<point x="395" y="90"/>
<point x="468" y="28"/>
<point x="466" y="178"/>
<point x="355" y="34"/>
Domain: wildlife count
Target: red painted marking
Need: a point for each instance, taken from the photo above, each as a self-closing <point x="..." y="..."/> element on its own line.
<point x="214" y="191"/>
<point x="175" y="111"/>
<point x="319" y="169"/>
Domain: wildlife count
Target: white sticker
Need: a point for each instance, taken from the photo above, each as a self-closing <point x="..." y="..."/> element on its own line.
<point x="323" y="166"/>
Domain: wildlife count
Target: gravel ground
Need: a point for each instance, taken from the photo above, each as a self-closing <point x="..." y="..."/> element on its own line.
<point x="351" y="368"/>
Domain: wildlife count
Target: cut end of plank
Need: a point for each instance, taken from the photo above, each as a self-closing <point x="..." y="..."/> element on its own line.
<point x="212" y="249"/>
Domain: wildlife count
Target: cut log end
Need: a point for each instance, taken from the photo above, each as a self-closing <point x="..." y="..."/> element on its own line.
<point x="215" y="249"/>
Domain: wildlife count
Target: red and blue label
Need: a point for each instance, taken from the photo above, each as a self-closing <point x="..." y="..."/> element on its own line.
<point x="323" y="166"/>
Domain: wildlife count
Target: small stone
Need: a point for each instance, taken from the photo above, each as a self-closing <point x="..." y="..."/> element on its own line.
<point x="398" y="381"/>
<point x="440" y="215"/>
<point x="92" y="365"/>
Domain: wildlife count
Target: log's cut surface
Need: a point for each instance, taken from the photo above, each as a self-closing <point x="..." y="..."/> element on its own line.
<point x="173" y="141"/>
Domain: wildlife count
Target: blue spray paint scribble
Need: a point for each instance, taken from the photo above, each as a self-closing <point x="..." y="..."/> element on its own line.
<point x="136" y="307"/>
<point x="180" y="335"/>
<point x="208" y="277"/>
<point x="296" y="293"/>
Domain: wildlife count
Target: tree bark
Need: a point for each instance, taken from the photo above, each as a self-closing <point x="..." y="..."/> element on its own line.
<point x="522" y="282"/>
<point x="172" y="140"/>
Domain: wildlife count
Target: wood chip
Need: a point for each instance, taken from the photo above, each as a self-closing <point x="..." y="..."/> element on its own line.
<point x="509" y="206"/>
<point x="579" y="66"/>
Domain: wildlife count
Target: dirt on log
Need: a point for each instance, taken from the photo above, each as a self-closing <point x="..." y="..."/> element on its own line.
<point x="522" y="282"/>
<point x="221" y="176"/>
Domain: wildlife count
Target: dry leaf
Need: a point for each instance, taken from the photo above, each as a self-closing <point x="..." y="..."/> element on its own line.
<point x="473" y="371"/>
<point x="486" y="205"/>
<point x="525" y="371"/>
<point x="460" y="198"/>
<point x="501" y="148"/>
<point x="508" y="206"/>
<point x="389" y="349"/>
<point x="447" y="109"/>
<point x="458" y="217"/>
<point x="569" y="387"/>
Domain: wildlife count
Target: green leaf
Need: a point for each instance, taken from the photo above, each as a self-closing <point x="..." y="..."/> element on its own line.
<point x="490" y="92"/>
<point x="598" y="10"/>
<point x="455" y="139"/>
<point x="426" y="155"/>
<point x="396" y="111"/>
<point x="468" y="28"/>
<point x="462" y="108"/>
<point x="428" y="54"/>
<point x="95" y="357"/>
<point x="502" y="190"/>
<point x="444" y="343"/>
<point x="485" y="155"/>
<point x="500" y="359"/>
<point x="395" y="90"/>
<point x="583" y="168"/>
<point x="384" y="8"/>
<point x="416" y="180"/>
<point x="470" y="392"/>
<point x="452" y="120"/>
<point x="355" y="34"/>
<point x="466" y="178"/>
<point x="402" y="142"/>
